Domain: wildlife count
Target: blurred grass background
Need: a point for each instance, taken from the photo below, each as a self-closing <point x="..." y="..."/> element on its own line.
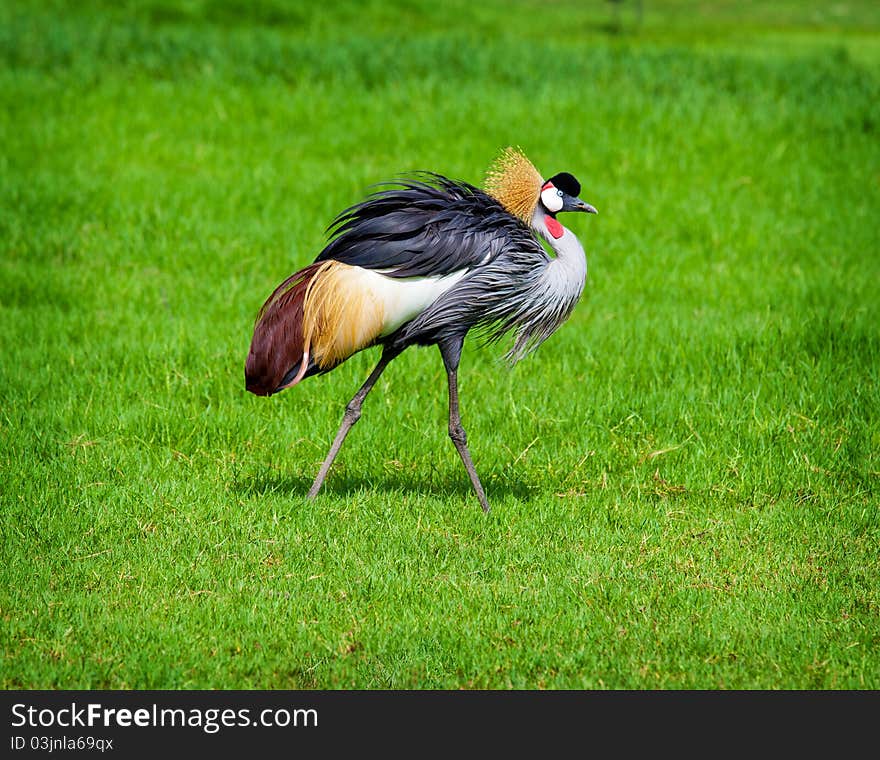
<point x="684" y="479"/>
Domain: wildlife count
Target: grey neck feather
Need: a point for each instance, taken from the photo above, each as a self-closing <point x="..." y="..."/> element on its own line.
<point x="521" y="290"/>
<point x="545" y="297"/>
<point x="570" y="256"/>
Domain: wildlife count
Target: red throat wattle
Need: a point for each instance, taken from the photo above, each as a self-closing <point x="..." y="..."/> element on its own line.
<point x="554" y="227"/>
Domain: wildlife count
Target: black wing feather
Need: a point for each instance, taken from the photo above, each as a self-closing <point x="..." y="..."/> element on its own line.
<point x="424" y="227"/>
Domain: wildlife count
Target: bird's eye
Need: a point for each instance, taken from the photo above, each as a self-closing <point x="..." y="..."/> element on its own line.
<point x="559" y="193"/>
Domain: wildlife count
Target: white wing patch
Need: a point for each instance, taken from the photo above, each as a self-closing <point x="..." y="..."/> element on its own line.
<point x="347" y="308"/>
<point x="405" y="298"/>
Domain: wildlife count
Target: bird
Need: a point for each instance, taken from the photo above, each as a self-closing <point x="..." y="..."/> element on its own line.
<point x="424" y="260"/>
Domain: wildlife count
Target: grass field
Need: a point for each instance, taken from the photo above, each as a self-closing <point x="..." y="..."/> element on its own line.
<point x="685" y="480"/>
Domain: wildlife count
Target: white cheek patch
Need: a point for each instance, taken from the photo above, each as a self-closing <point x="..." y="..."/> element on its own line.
<point x="550" y="198"/>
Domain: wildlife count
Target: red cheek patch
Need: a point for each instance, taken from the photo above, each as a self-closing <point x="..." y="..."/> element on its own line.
<point x="554" y="227"/>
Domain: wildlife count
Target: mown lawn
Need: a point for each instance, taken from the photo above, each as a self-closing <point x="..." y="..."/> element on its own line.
<point x="685" y="480"/>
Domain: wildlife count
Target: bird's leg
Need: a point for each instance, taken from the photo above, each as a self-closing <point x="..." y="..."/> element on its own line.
<point x="352" y="415"/>
<point x="451" y="354"/>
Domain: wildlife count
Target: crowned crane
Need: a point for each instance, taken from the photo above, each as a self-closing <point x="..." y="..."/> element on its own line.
<point x="423" y="262"/>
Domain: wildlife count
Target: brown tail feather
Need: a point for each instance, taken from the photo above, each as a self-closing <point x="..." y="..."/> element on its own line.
<point x="277" y="345"/>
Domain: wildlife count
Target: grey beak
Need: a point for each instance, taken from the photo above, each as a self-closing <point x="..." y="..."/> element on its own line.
<point x="586" y="207"/>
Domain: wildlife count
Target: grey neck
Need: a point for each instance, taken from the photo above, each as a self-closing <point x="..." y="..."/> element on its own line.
<point x="568" y="249"/>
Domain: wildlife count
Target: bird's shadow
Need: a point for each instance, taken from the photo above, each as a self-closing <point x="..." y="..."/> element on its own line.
<point x="436" y="485"/>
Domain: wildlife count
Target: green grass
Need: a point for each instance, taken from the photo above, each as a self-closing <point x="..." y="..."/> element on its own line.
<point x="684" y="479"/>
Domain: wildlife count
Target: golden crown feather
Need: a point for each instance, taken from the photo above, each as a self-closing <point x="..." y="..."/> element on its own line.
<point x="514" y="181"/>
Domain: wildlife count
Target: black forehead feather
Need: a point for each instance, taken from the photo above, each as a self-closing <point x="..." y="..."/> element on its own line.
<point x="567" y="183"/>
